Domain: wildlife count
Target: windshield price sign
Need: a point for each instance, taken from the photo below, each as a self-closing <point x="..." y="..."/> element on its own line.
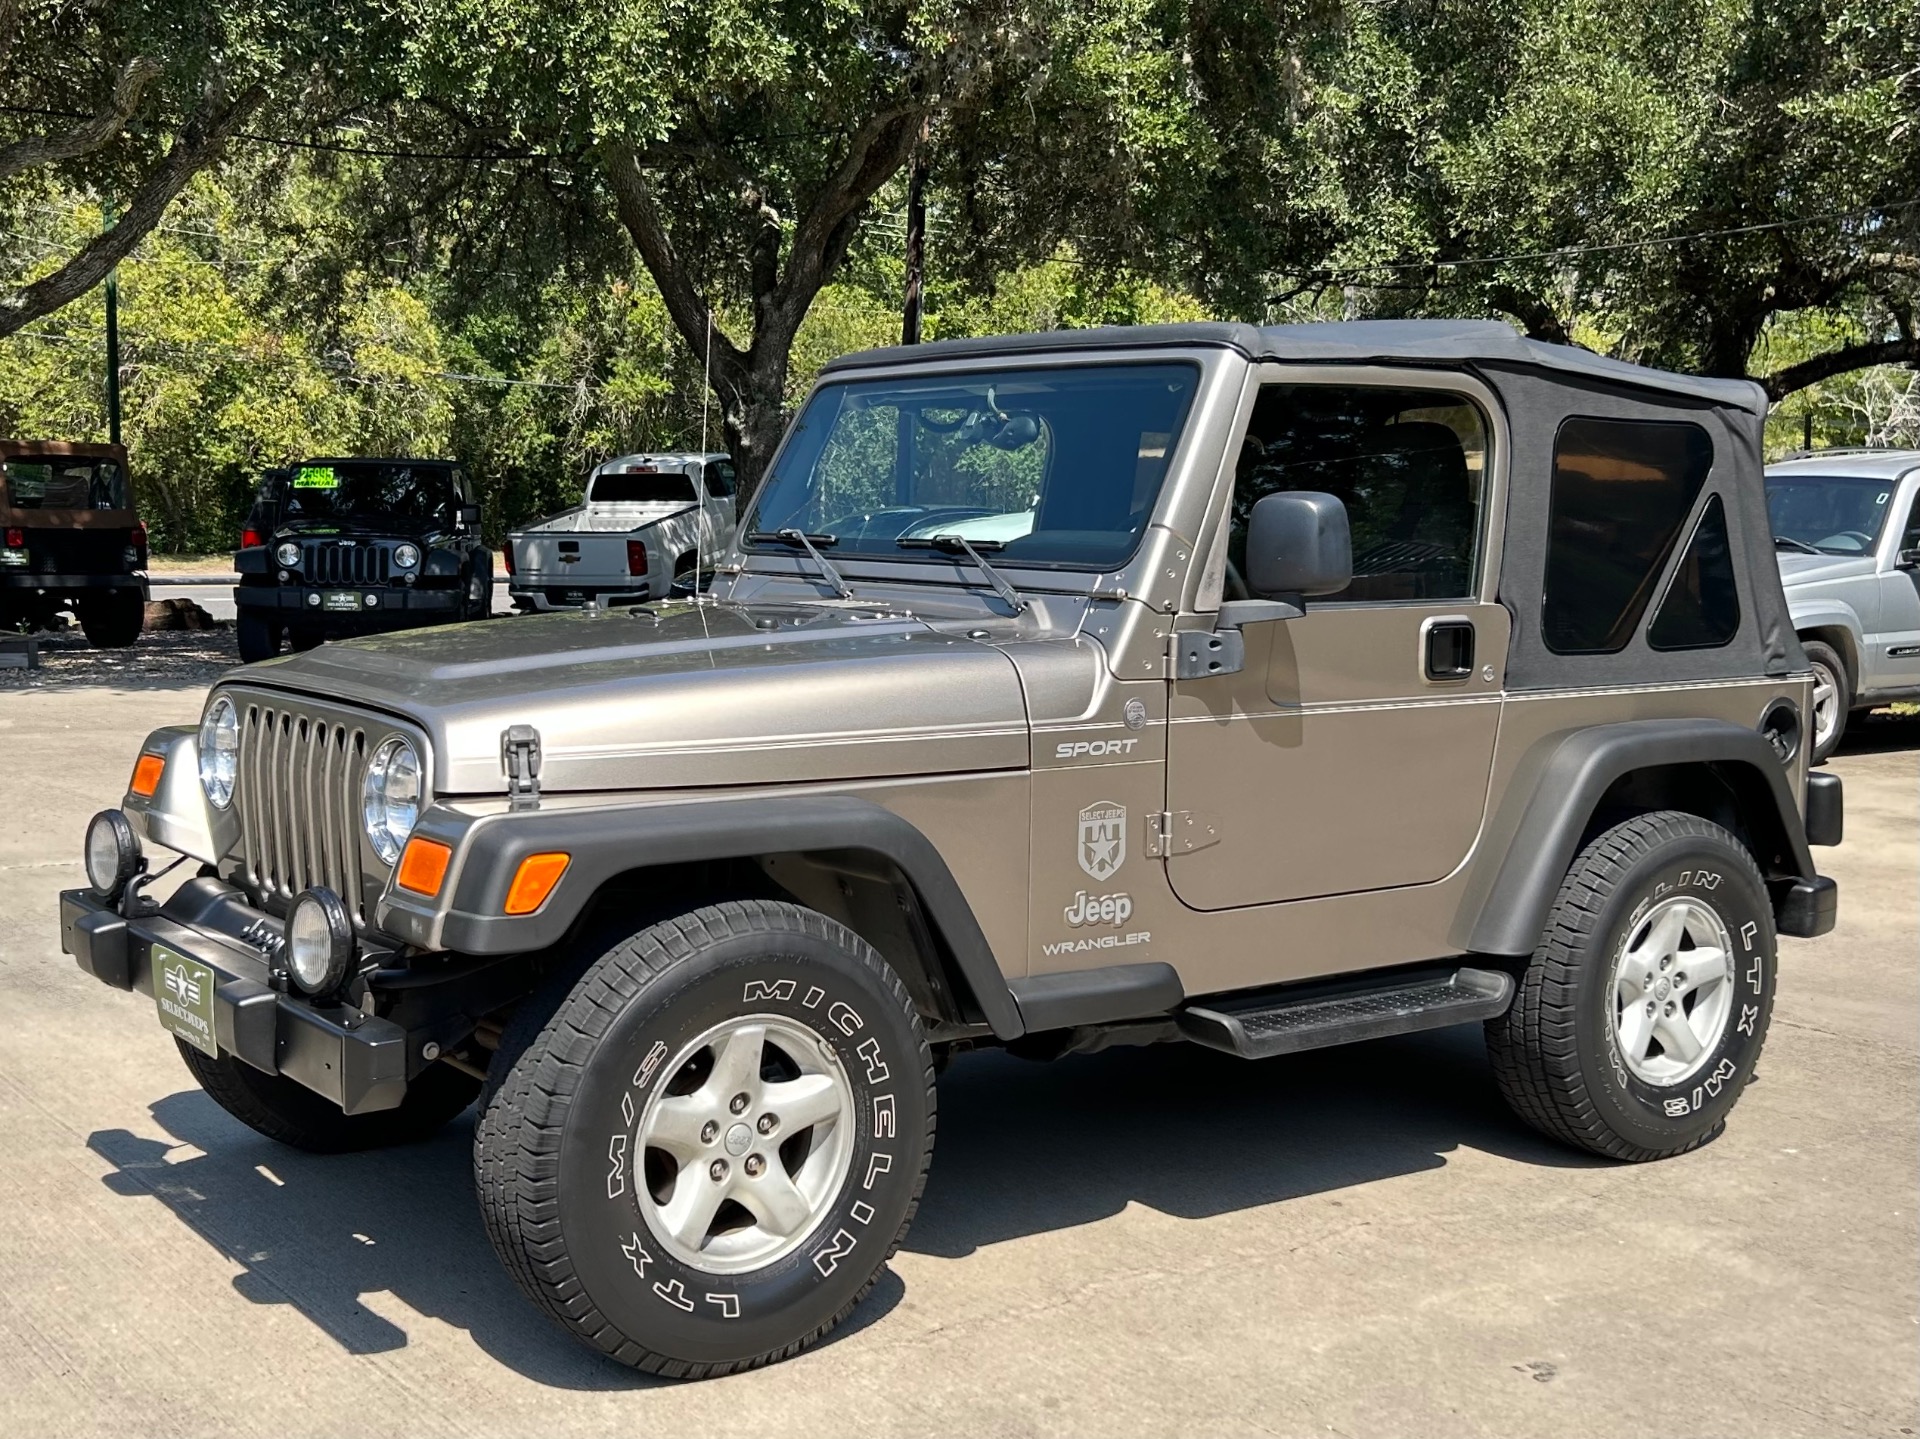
<point x="314" y="477"/>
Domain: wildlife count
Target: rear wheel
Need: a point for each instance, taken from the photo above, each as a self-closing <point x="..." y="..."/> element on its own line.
<point x="1832" y="698"/>
<point x="294" y="1115"/>
<point x="703" y="1158"/>
<point x="259" y="636"/>
<point x="1640" y="1017"/>
<point x="113" y="619"/>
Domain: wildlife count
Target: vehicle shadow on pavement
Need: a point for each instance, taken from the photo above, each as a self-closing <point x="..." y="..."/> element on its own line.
<point x="319" y="1232"/>
<point x="1881" y="734"/>
<point x="1024" y="1148"/>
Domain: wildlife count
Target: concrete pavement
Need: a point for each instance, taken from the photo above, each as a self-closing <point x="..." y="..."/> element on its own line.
<point x="1166" y="1241"/>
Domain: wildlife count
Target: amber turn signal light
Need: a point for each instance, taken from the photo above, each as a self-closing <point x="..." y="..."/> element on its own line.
<point x="534" y="881"/>
<point x="146" y="775"/>
<point x="423" y="867"/>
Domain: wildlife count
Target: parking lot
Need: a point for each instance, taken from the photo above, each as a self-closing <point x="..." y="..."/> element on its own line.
<point x="1361" y="1241"/>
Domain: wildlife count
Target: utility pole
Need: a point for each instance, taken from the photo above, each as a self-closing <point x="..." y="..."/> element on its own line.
<point x="916" y="241"/>
<point x="113" y="343"/>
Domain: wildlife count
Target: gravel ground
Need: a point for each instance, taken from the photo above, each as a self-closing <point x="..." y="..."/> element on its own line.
<point x="162" y="660"/>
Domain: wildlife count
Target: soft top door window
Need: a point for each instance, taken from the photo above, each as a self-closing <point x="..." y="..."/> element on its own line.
<point x="1409" y="464"/>
<point x="1622" y="491"/>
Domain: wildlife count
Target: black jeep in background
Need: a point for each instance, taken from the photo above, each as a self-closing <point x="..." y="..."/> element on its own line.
<point x="334" y="548"/>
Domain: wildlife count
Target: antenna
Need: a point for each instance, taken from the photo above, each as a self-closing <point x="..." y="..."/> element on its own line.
<point x="700" y="519"/>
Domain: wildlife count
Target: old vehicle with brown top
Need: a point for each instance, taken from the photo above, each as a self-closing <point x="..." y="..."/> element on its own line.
<point x="71" y="539"/>
<point x="1260" y="689"/>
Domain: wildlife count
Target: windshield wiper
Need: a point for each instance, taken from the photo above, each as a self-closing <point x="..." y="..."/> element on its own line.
<point x="809" y="543"/>
<point x="1801" y="545"/>
<point x="959" y="545"/>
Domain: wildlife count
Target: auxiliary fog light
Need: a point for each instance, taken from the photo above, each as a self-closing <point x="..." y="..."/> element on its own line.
<point x="314" y="599"/>
<point x="319" y="940"/>
<point x="113" y="853"/>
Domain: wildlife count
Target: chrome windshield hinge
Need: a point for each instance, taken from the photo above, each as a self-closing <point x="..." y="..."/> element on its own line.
<point x="1180" y="831"/>
<point x="520" y="758"/>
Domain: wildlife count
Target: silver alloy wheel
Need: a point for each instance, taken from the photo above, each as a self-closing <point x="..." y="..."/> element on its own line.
<point x="1672" y="990"/>
<point x="744" y="1146"/>
<point x="1826" y="704"/>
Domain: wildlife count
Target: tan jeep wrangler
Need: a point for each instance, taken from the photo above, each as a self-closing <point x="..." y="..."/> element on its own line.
<point x="1262" y="689"/>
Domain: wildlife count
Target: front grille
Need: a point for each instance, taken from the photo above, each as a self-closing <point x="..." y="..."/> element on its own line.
<point x="298" y="793"/>
<point x="331" y="562"/>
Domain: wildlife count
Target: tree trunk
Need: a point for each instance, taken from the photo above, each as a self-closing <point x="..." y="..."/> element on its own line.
<point x="755" y="419"/>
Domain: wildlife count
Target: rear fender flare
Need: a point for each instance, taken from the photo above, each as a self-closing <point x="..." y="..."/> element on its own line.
<point x="1562" y="786"/>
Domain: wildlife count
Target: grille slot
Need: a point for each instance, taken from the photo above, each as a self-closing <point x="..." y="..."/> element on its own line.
<point x="299" y="776"/>
<point x="329" y="562"/>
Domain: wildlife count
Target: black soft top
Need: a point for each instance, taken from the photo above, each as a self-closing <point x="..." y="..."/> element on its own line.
<point x="1353" y="342"/>
<point x="1540" y="386"/>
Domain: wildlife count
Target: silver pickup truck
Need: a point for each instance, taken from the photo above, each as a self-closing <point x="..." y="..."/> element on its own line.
<point x="1846" y="526"/>
<point x="645" y="525"/>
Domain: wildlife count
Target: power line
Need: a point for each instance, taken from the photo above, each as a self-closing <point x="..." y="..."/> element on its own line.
<point x="1651" y="242"/>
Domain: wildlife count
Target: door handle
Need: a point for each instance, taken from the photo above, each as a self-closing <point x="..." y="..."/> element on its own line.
<point x="1446" y="648"/>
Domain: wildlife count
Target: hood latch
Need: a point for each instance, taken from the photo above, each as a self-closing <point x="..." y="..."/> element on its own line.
<point x="520" y="759"/>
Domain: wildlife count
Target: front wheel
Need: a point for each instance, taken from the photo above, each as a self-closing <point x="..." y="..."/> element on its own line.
<point x="259" y="636"/>
<point x="1832" y="698"/>
<point x="703" y="1158"/>
<point x="1640" y="1017"/>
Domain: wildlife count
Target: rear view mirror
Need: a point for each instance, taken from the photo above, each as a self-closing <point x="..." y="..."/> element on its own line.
<point x="1298" y="544"/>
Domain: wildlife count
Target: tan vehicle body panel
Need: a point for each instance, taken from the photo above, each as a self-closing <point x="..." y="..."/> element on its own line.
<point x="1348" y="814"/>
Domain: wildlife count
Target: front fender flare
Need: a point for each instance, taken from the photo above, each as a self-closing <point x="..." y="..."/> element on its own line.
<point x="603" y="841"/>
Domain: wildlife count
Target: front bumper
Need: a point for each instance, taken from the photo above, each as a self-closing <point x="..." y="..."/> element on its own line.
<point x="290" y="600"/>
<point x="359" y="1061"/>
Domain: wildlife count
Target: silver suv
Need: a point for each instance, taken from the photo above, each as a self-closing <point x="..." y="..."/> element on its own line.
<point x="1847" y="526"/>
<point x="1258" y="689"/>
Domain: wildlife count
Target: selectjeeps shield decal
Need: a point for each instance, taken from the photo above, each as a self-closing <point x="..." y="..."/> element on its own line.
<point x="1103" y="838"/>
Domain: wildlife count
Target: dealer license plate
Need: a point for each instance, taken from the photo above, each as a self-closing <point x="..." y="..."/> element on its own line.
<point x="183" y="993"/>
<point x="340" y="600"/>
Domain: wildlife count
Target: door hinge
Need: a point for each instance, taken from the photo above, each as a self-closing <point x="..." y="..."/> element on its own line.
<point x="1180" y="831"/>
<point x="520" y="758"/>
<point x="1200" y="654"/>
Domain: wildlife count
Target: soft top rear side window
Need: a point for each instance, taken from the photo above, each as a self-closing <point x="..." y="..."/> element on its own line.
<point x="1622" y="491"/>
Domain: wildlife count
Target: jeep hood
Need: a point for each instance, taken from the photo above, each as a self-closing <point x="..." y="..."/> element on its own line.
<point x="714" y="694"/>
<point x="1799" y="569"/>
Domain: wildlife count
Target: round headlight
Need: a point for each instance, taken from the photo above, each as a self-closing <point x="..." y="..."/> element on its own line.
<point x="390" y="798"/>
<point x="319" y="940"/>
<point x="288" y="554"/>
<point x="113" y="853"/>
<point x="219" y="751"/>
<point x="405" y="557"/>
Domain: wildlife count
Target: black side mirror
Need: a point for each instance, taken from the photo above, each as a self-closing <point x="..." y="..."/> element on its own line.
<point x="469" y="516"/>
<point x="1907" y="560"/>
<point x="1298" y="544"/>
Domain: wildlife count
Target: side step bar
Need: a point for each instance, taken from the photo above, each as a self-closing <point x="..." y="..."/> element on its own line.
<point x="1257" y="1027"/>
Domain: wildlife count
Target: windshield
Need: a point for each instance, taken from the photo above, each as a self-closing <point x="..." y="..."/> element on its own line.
<point x="1058" y="467"/>
<point x="642" y="487"/>
<point x="1834" y="514"/>
<point x="371" y="490"/>
<point x="66" y="484"/>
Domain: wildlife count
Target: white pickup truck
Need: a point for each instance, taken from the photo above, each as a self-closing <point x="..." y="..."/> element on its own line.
<point x="647" y="523"/>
